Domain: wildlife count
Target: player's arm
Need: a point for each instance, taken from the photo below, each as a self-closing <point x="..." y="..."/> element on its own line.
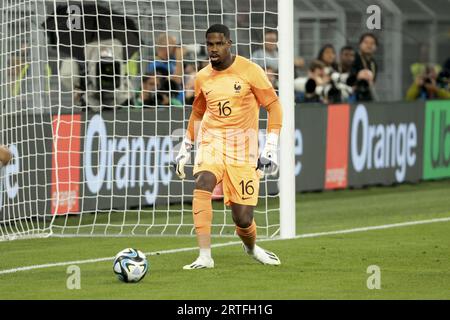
<point x="198" y="110"/>
<point x="274" y="118"/>
<point x="267" y="97"/>
<point x="5" y="155"/>
<point x="268" y="160"/>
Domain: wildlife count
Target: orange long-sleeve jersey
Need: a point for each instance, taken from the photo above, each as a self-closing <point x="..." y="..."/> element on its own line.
<point x="227" y="102"/>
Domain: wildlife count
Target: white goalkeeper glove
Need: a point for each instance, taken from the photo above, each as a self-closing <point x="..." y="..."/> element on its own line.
<point x="183" y="157"/>
<point x="268" y="160"/>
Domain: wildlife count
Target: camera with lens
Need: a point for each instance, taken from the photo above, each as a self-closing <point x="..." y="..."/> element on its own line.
<point x="329" y="92"/>
<point x="427" y="80"/>
<point x="337" y="90"/>
<point x="362" y="90"/>
<point x="109" y="74"/>
<point x="307" y="86"/>
<point x="102" y="79"/>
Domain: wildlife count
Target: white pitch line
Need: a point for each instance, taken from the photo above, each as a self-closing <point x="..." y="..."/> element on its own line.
<point x="225" y="244"/>
<point x="362" y="229"/>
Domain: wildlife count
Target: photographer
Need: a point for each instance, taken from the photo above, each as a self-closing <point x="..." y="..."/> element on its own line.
<point x="305" y="87"/>
<point x="443" y="79"/>
<point x="158" y="90"/>
<point x="168" y="57"/>
<point x="321" y="87"/>
<point x="364" y="59"/>
<point x="426" y="87"/>
<point x="346" y="60"/>
<point x="364" y="71"/>
<point x="327" y="55"/>
<point x="101" y="81"/>
<point x="147" y="96"/>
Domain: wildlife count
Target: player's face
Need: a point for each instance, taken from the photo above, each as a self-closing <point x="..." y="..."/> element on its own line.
<point x="219" y="48"/>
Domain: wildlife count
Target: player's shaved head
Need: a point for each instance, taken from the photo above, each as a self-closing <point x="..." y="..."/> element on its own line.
<point x="219" y="28"/>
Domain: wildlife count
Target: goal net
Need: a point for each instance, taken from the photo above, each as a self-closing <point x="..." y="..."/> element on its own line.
<point x="95" y="97"/>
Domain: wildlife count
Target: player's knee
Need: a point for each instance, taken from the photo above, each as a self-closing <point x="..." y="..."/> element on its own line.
<point x="244" y="223"/>
<point x="242" y="215"/>
<point x="205" y="181"/>
<point x="243" y="220"/>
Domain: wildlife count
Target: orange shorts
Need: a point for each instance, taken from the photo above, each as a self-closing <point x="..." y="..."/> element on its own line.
<point x="240" y="181"/>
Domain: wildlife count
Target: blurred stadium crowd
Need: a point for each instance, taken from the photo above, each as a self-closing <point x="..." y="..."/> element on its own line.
<point x="330" y="78"/>
<point x="163" y="72"/>
<point x="345" y="75"/>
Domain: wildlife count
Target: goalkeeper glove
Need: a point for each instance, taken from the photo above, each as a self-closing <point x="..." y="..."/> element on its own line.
<point x="268" y="160"/>
<point x="183" y="157"/>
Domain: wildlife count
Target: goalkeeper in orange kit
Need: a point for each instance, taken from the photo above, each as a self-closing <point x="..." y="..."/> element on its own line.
<point x="228" y="95"/>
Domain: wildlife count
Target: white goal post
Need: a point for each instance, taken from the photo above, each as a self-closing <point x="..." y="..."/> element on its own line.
<point x="94" y="99"/>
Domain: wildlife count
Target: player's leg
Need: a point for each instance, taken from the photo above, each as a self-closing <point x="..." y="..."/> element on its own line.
<point x="245" y="224"/>
<point x="246" y="230"/>
<point x="241" y="189"/>
<point x="205" y="182"/>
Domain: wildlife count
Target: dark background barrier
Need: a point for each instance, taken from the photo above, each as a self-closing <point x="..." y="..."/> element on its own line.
<point x="134" y="152"/>
<point x="121" y="158"/>
<point x="310" y="144"/>
<point x="25" y="183"/>
<point x="386" y="143"/>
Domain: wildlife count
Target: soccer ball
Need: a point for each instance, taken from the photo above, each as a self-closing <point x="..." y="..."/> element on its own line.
<point x="130" y="265"/>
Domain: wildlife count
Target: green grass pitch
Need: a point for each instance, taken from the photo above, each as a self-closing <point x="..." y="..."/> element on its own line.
<point x="414" y="260"/>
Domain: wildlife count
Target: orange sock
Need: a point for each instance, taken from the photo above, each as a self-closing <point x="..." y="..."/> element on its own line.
<point x="247" y="235"/>
<point x="202" y="212"/>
